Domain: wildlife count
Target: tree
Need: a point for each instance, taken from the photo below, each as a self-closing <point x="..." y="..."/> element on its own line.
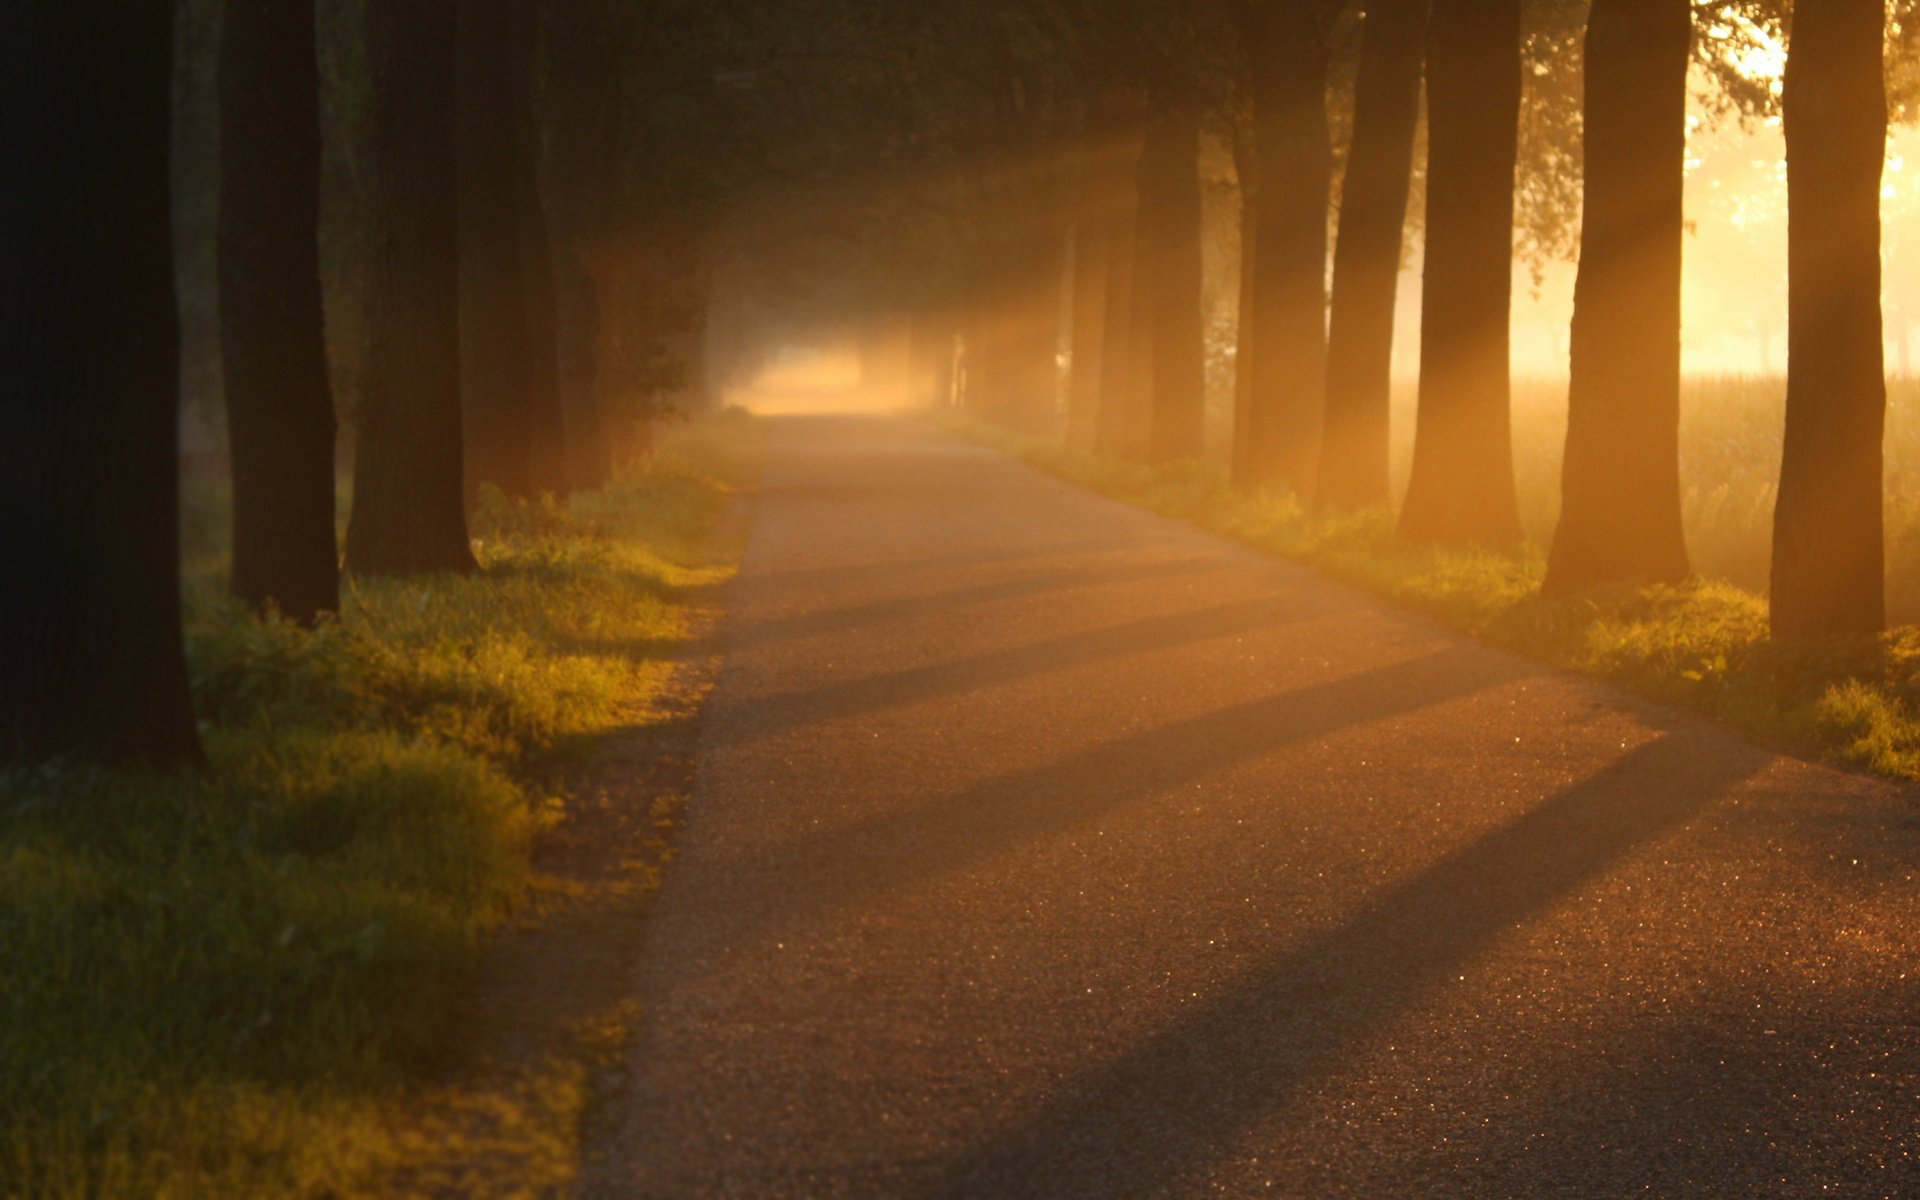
<point x="1828" y="553"/>
<point x="1169" y="229"/>
<point x="1288" y="52"/>
<point x="1366" y="262"/>
<point x="583" y="92"/>
<point x="1462" y="487"/>
<point x="1121" y="327"/>
<point x="272" y="338"/>
<point x="89" y="335"/>
<point x="1620" y="512"/>
<point x="409" y="511"/>
<point x="511" y="415"/>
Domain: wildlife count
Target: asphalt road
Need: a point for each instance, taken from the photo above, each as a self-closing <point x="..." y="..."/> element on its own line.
<point x="1042" y="847"/>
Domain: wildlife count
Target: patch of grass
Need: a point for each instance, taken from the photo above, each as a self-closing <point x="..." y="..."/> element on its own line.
<point x="1703" y="645"/>
<point x="218" y="983"/>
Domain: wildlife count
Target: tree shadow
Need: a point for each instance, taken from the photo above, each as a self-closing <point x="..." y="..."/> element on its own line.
<point x="861" y="862"/>
<point x="1774" y="1090"/>
<point x="841" y="620"/>
<point x="764" y="716"/>
<point x="1184" y="1096"/>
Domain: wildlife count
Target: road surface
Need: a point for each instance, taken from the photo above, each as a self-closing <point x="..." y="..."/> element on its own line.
<point x="1043" y="847"/>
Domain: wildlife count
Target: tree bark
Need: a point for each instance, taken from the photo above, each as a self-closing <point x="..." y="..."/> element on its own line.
<point x="1293" y="185"/>
<point x="496" y="335"/>
<point x="547" y="451"/>
<point x="1828" y="542"/>
<point x="1091" y="249"/>
<point x="272" y="334"/>
<point x="409" y="511"/>
<point x="1120" y="328"/>
<point x="1241" y="464"/>
<point x="582" y="75"/>
<point x="89" y="330"/>
<point x="1169" y="225"/>
<point x="1366" y="261"/>
<point x="1620" y="512"/>
<point x="1462" y="489"/>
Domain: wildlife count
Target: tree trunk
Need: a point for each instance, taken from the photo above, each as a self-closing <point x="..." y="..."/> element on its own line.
<point x="1620" y="513"/>
<point x="1828" y="551"/>
<point x="1170" y="227"/>
<point x="582" y="89"/>
<point x="89" y="332"/>
<point x="496" y="336"/>
<point x="1462" y="489"/>
<point x="1293" y="185"/>
<point x="547" y="451"/>
<point x="1120" y="329"/>
<point x="408" y="503"/>
<point x="272" y="335"/>
<point x="1241" y="463"/>
<point x="1366" y="261"/>
<point x="1091" y="238"/>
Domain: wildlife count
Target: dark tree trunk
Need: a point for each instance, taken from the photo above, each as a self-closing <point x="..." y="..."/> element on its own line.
<point x="589" y="448"/>
<point x="1241" y="464"/>
<point x="89" y="332"/>
<point x="1462" y="487"/>
<point x="1091" y="238"/>
<point x="1366" y="261"/>
<point x="272" y="336"/>
<point x="1119" y="329"/>
<point x="1620" y="512"/>
<point x="1293" y="184"/>
<point x="1828" y="550"/>
<point x="582" y="80"/>
<point x="547" y="450"/>
<point x="496" y="336"/>
<point x="408" y="484"/>
<point x="1170" y="226"/>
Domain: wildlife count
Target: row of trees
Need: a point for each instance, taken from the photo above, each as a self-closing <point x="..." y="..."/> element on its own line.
<point x="1313" y="362"/>
<point x="966" y="173"/>
<point x="492" y="155"/>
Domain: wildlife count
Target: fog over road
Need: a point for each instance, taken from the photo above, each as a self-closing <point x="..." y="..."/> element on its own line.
<point x="1046" y="848"/>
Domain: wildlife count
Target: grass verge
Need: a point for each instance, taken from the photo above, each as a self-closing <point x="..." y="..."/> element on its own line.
<point x="218" y="984"/>
<point x="1702" y="645"/>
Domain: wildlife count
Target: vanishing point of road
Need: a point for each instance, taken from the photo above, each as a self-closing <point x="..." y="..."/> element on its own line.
<point x="1043" y="847"/>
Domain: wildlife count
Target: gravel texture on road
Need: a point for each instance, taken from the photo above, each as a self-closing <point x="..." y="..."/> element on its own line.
<point x="1042" y="847"/>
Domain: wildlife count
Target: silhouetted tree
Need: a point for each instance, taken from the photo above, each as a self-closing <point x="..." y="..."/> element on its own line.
<point x="1828" y="553"/>
<point x="548" y="452"/>
<point x="1366" y="262"/>
<point x="1462" y="488"/>
<point x="1620" y="512"/>
<point x="503" y="427"/>
<point x="583" y="98"/>
<point x="1288" y="54"/>
<point x="1169" y="226"/>
<point x="409" y="512"/>
<point x="1121" y="328"/>
<point x="273" y="344"/>
<point x="89" y="339"/>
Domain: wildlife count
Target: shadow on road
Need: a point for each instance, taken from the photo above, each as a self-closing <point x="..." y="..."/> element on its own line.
<point x="919" y="604"/>
<point x="1238" y="1057"/>
<point x="768" y="716"/>
<point x="861" y="862"/>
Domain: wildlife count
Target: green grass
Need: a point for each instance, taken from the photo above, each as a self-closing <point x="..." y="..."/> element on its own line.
<point x="216" y="984"/>
<point x="1702" y="645"/>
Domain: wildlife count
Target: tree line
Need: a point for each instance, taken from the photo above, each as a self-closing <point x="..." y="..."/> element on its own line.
<point x="493" y="146"/>
<point x="962" y="174"/>
<point x="1315" y="344"/>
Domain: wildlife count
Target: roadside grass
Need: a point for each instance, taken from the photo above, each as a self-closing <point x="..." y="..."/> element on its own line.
<point x="220" y="983"/>
<point x="1701" y="645"/>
